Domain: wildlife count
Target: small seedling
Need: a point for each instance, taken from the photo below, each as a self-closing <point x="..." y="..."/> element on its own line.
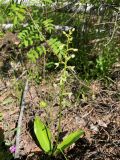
<point x="43" y="104"/>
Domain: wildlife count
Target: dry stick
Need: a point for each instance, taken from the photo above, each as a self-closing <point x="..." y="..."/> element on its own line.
<point x="20" y="120"/>
<point x="82" y="83"/>
<point x="114" y="30"/>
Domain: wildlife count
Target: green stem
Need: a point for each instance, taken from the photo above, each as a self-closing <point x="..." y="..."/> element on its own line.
<point x="62" y="86"/>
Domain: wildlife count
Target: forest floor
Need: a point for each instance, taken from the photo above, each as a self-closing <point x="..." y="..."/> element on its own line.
<point x="93" y="107"/>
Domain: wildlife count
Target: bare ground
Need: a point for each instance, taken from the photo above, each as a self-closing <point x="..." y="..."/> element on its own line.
<point x="95" y="108"/>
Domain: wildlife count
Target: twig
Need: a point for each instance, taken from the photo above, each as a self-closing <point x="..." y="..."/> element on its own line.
<point x="114" y="31"/>
<point x="82" y="83"/>
<point x="20" y="120"/>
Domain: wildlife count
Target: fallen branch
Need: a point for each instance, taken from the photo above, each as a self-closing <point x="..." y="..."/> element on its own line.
<point x="20" y="121"/>
<point x="72" y="7"/>
<point x="57" y="27"/>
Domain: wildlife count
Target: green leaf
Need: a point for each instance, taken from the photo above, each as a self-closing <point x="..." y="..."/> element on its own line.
<point x="7" y="101"/>
<point x="26" y="43"/>
<point x="43" y="104"/>
<point x="15" y="21"/>
<point x="67" y="141"/>
<point x="48" y="25"/>
<point x="20" y="16"/>
<point x="43" y="135"/>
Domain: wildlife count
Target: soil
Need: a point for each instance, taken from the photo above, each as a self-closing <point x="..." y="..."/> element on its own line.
<point x="94" y="108"/>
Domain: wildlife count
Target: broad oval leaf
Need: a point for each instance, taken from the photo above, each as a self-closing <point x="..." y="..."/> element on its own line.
<point x="43" y="135"/>
<point x="67" y="141"/>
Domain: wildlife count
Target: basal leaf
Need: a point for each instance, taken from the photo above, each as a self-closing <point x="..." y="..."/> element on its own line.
<point x="67" y="141"/>
<point x="43" y="135"/>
